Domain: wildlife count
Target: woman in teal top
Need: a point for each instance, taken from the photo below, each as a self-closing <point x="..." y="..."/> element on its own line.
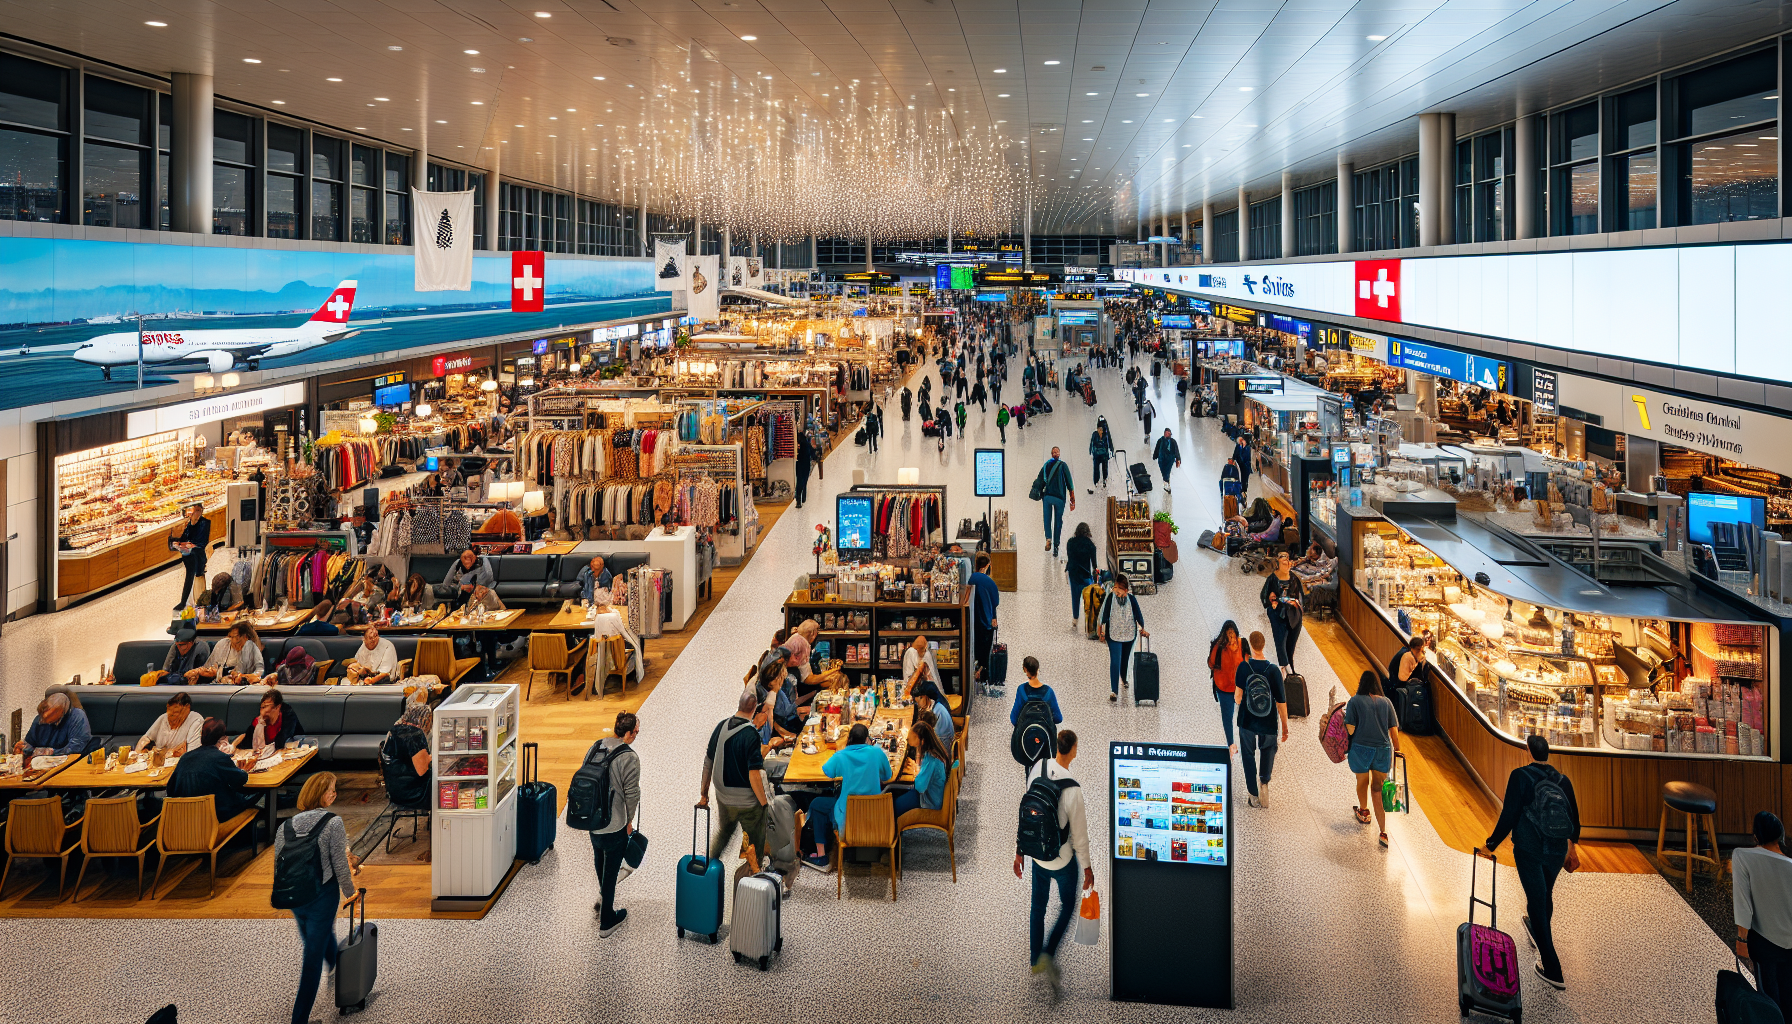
<point x="862" y="770"/>
<point x="930" y="778"/>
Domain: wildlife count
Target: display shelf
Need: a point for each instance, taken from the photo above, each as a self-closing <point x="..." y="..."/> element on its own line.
<point x="474" y="811"/>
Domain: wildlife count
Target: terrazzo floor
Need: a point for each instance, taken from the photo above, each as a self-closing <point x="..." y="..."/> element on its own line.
<point x="1328" y="926"/>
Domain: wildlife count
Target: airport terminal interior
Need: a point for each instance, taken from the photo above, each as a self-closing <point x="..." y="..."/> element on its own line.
<point x="1216" y="510"/>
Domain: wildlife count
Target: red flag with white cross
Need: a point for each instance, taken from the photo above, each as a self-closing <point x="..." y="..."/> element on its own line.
<point x="1378" y="289"/>
<point x="528" y="281"/>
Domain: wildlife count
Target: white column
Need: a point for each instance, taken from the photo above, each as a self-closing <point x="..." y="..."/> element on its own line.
<point x="1287" y="214"/>
<point x="1346" y="206"/>
<point x="1026" y="234"/>
<point x="1206" y="231"/>
<point x="1186" y="240"/>
<point x="494" y="217"/>
<point x="1244" y="225"/>
<point x="190" y="162"/>
<point x="1437" y="144"/>
<point x="641" y="228"/>
<point x="1525" y="165"/>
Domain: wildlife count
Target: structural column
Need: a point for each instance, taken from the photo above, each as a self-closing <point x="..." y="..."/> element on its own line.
<point x="1525" y="165"/>
<point x="1345" y="214"/>
<point x="420" y="158"/>
<point x="1437" y="142"/>
<point x="190" y="162"/>
<point x="1187" y="242"/>
<point x="1244" y="225"/>
<point x="1026" y="237"/>
<point x="869" y="266"/>
<point x="1206" y="231"/>
<point x="641" y="228"/>
<point x="494" y="214"/>
<point x="1287" y="214"/>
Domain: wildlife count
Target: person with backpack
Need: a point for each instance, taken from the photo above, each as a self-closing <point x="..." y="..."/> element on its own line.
<point x="1053" y="487"/>
<point x="1101" y="449"/>
<point x="1243" y="457"/>
<point x="1762" y="898"/>
<point x="1224" y="656"/>
<point x="1120" y="623"/>
<point x="1079" y="563"/>
<point x="1054" y="834"/>
<point x="1035" y="691"/>
<point x="1282" y="596"/>
<point x="1262" y="705"/>
<point x="602" y="798"/>
<point x="1544" y="822"/>
<point x="1374" y="736"/>
<point x="734" y="761"/>
<point x="1231" y="484"/>
<point x="1001" y="418"/>
<point x="312" y="872"/>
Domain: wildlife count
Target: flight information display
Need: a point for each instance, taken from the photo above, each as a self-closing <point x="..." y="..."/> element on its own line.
<point x="1167" y="807"/>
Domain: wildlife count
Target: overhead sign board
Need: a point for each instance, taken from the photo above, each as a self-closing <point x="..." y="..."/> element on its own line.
<point x="1446" y="362"/>
<point x="143" y="422"/>
<point x="1022" y="278"/>
<point x="1235" y="314"/>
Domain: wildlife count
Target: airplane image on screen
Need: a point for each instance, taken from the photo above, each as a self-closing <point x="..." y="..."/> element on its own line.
<point x="223" y="349"/>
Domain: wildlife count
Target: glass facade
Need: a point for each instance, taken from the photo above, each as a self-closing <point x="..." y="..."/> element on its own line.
<point x="1387" y="207"/>
<point x="1574" y="171"/>
<point x="1266" y="229"/>
<point x="1725" y="151"/>
<point x="1225" y="237"/>
<point x="33" y="141"/>
<point x="1316" y="220"/>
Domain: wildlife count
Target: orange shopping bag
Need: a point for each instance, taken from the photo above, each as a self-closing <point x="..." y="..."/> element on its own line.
<point x="1088" y="922"/>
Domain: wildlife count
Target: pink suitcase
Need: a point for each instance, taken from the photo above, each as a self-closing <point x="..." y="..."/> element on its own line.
<point x="1487" y="958"/>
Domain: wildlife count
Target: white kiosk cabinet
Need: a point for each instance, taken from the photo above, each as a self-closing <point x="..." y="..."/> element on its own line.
<point x="474" y="746"/>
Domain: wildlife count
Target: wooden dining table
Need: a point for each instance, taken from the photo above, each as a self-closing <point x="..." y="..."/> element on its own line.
<point x="35" y="778"/>
<point x="264" y="622"/>
<point x="82" y="775"/>
<point x="806" y="769"/>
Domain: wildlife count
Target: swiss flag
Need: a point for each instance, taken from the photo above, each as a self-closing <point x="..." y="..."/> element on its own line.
<point x="528" y="279"/>
<point x="1378" y="289"/>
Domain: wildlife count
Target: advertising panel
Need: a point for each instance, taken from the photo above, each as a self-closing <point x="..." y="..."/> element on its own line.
<point x="1446" y="362"/>
<point x="991" y="482"/>
<point x="1168" y="810"/>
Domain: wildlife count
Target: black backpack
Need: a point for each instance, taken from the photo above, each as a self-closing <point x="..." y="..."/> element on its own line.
<point x="1548" y="810"/>
<point x="1040" y="836"/>
<point x="588" y="794"/>
<point x="1259" y="694"/>
<point x="1034" y="737"/>
<point x="299" y="866"/>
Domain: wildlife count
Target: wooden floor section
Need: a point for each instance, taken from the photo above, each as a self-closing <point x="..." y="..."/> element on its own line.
<point x="564" y="728"/>
<point x="1462" y="813"/>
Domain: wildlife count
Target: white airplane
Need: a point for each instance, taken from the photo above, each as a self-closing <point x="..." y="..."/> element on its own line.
<point x="222" y="348"/>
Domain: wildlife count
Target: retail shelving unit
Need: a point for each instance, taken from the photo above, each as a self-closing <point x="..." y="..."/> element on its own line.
<point x="886" y="629"/>
<point x="474" y="746"/>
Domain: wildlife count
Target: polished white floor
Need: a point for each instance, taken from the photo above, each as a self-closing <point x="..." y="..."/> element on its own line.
<point x="1329" y="927"/>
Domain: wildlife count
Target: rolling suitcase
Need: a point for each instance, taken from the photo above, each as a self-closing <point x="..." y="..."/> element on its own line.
<point x="756" y="930"/>
<point x="536" y="809"/>
<point x="1486" y="958"/>
<point x="1144" y="673"/>
<point x="697" y="898"/>
<point x="1412" y="702"/>
<point x="1294" y="687"/>
<point x="781" y="834"/>
<point x="1141" y="478"/>
<point x="357" y="960"/>
<point x="1397" y="795"/>
<point x="1093" y="594"/>
<point x="1739" y="1002"/>
<point x="996" y="673"/>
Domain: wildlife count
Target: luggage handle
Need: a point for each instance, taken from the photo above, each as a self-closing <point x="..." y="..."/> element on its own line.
<point x="1405" y="782"/>
<point x="702" y="860"/>
<point x="1145" y="643"/>
<point x="360" y="897"/>
<point x="1493" y="887"/>
<point x="531" y="762"/>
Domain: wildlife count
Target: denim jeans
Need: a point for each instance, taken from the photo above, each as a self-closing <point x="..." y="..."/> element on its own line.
<point x="1285" y="639"/>
<point x="1101" y="471"/>
<point x="1164" y="466"/>
<point x="1037" y="941"/>
<point x="1119" y="658"/>
<point x="820" y="817"/>
<point x="1077" y="584"/>
<point x="1053" y="507"/>
<point x="1537" y="873"/>
<point x="317" y="938"/>
<point x="1251" y="746"/>
<point x="606" y="856"/>
<point x="1228" y="705"/>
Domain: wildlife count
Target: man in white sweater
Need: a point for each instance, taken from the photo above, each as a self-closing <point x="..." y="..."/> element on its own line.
<point x="1048" y="780"/>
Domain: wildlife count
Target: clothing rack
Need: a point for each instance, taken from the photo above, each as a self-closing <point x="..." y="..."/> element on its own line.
<point x="891" y="542"/>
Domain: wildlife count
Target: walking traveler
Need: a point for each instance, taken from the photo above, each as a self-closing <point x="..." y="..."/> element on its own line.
<point x="1374" y="736"/>
<point x="191" y="540"/>
<point x="1242" y="456"/>
<point x="1167" y="453"/>
<point x="1262" y="708"/>
<point x="735" y="763"/>
<point x="908" y="398"/>
<point x="1054" y="487"/>
<point x="986" y="597"/>
<point x="1079" y="563"/>
<point x="312" y="864"/>
<point x="1101" y="449"/>
<point x="978" y="394"/>
<point x="1224" y="656"/>
<point x="1762" y="898"/>
<point x="874" y="427"/>
<point x="1146" y="411"/>
<point x="1002" y="420"/>
<point x="1120" y="623"/>
<point x="1051" y="787"/>
<point x="1033" y="689"/>
<point x="1544" y="822"/>
<point x="1283" y="595"/>
<point x="805" y="461"/>
<point x="610" y="843"/>
<point x="1231" y="483"/>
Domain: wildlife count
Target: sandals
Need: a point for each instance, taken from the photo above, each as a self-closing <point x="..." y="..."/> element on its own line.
<point x="1384" y="840"/>
<point x="1362" y="816"/>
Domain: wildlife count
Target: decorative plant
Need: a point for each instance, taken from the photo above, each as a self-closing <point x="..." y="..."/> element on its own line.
<point x="386" y="420"/>
<point x="1164" y="517"/>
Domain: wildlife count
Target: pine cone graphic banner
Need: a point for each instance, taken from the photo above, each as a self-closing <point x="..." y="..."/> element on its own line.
<point x="442" y="239"/>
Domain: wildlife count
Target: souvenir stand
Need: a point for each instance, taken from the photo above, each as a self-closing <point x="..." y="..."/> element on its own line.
<point x="475" y="747"/>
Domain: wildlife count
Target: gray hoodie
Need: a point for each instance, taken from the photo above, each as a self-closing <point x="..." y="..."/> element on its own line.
<point x="625" y="786"/>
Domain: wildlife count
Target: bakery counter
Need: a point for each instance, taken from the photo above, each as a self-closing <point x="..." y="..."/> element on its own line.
<point x="84" y="572"/>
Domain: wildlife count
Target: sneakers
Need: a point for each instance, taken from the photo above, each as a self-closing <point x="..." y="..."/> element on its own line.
<point x="1251" y="800"/>
<point x="1556" y="983"/>
<point x="621" y="919"/>
<point x="819" y="863"/>
<point x="1047" y="966"/>
<point x="1263" y="794"/>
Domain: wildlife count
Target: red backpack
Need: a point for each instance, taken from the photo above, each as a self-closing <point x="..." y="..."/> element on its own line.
<point x="1332" y="734"/>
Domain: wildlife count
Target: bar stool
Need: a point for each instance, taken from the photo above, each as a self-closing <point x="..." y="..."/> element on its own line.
<point x="1699" y="805"/>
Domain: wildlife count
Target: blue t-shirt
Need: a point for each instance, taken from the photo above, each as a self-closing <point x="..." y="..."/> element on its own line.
<point x="1024" y="693"/>
<point x="942" y="724"/>
<point x="930" y="782"/>
<point x="988" y="597"/>
<point x="862" y="770"/>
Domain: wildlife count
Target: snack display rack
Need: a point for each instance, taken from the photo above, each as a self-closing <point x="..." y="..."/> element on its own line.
<point x="112" y="494"/>
<point x="474" y="747"/>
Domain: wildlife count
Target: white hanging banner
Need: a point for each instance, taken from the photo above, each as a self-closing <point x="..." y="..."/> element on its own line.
<point x="669" y="261"/>
<point x="703" y="286"/>
<point x="746" y="272"/>
<point x="442" y="238"/>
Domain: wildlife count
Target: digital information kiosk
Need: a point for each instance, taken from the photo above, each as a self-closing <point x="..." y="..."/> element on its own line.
<point x="1170" y="814"/>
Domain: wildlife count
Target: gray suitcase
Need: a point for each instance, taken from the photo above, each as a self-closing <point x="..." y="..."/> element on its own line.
<point x="756" y="930"/>
<point x="780" y="831"/>
<point x="357" y="960"/>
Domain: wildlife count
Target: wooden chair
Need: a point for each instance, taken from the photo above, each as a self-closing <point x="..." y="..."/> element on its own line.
<point x="111" y="829"/>
<point x="548" y="654"/>
<point x="435" y="657"/>
<point x="35" y="828"/>
<point x="870" y="822"/>
<point x="945" y="819"/>
<point x="190" y="825"/>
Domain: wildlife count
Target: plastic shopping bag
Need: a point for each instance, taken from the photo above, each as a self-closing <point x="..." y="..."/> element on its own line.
<point x="1088" y="922"/>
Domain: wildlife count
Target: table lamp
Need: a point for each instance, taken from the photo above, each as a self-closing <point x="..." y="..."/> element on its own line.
<point x="908" y="475"/>
<point x="534" y="502"/>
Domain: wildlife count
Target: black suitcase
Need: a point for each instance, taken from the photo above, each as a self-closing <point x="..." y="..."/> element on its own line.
<point x="1144" y="673"/>
<point x="1141" y="478"/>
<point x="1294" y="687"/>
<point x="1413" y="703"/>
<point x="357" y="960"/>
<point x="1162" y="570"/>
<point x="996" y="672"/>
<point x="536" y="810"/>
<point x="1739" y="1002"/>
<point x="859" y="438"/>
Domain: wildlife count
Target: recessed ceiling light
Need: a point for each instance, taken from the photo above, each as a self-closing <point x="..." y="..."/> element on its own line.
<point x="748" y="39"/>
<point x="597" y="78"/>
<point x="479" y="103"/>
<point x="477" y="71"/>
<point x="1141" y="94"/>
<point x="519" y="126"/>
<point x="381" y="99"/>
<point x="1050" y="62"/>
<point x="1001" y="71"/>
<point x="407" y="129"/>
<point x="250" y="60"/>
<point x="543" y="14"/>
<point x="394" y="48"/>
<point x="1376" y="39"/>
<point x="1185" y="145"/>
<point x="572" y="110"/>
<point x="524" y="39"/>
<point x="156" y="24"/>
<point x="1001" y="95"/>
<point x="1126" y="122"/>
<point x="1244" y="88"/>
<point x="1088" y="122"/>
<point x="1167" y="120"/>
<point x="280" y="103"/>
<point x="441" y="122"/>
<point x="332" y="79"/>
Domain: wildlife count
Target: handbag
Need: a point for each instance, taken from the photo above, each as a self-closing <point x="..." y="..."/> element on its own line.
<point x="635" y="849"/>
<point x="1037" y="491"/>
<point x="1088" y="921"/>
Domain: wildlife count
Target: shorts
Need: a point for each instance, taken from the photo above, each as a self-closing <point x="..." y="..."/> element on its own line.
<point x="1363" y="758"/>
